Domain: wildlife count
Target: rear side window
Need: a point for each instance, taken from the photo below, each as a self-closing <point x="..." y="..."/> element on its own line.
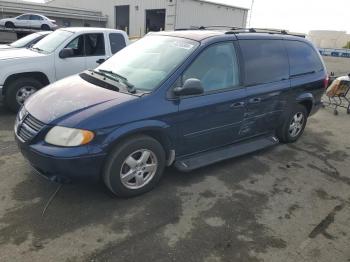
<point x="303" y="58"/>
<point x="117" y="42"/>
<point x="265" y="61"/>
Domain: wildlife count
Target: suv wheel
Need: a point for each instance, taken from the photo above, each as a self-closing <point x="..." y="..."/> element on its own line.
<point x="45" y="27"/>
<point x="294" y="124"/>
<point x="9" y="25"/>
<point x="134" y="167"/>
<point x="18" y="91"/>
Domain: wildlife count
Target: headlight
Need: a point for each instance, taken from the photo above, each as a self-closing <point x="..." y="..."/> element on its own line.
<point x="68" y="137"/>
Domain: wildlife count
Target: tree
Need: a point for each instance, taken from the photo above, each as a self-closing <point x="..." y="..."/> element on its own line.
<point x="347" y="46"/>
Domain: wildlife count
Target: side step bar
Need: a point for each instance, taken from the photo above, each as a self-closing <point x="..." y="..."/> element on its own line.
<point x="211" y="157"/>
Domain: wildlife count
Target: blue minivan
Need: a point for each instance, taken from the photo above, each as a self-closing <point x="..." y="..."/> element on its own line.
<point x="187" y="98"/>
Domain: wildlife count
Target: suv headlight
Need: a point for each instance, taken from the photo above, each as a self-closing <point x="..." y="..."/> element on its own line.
<point x="68" y="137"/>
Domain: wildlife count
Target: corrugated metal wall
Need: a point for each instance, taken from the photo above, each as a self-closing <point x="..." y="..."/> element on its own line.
<point x="195" y="13"/>
<point x="179" y="13"/>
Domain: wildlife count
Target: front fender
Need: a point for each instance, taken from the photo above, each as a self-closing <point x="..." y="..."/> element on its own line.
<point x="156" y="127"/>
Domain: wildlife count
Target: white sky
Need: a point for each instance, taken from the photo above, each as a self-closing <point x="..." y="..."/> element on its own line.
<point x="295" y="15"/>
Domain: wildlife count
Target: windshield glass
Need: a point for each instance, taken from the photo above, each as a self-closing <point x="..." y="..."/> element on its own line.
<point x="52" y="41"/>
<point x="24" y="41"/>
<point x="149" y="61"/>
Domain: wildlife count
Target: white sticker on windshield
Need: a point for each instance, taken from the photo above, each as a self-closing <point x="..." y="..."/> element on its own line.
<point x="182" y="45"/>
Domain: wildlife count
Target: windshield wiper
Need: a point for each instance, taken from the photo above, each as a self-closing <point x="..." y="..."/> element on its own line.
<point x="130" y="87"/>
<point x="37" y="49"/>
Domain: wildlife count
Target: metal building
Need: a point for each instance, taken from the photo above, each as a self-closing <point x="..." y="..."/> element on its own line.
<point x="137" y="17"/>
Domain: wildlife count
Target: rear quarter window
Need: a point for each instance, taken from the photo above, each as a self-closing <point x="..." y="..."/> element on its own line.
<point x="117" y="42"/>
<point x="303" y="58"/>
<point x="265" y="61"/>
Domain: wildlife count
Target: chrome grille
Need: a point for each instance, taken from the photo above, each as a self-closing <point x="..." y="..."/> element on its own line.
<point x="28" y="127"/>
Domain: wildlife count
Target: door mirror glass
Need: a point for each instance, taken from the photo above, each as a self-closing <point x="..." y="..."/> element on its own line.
<point x="66" y="52"/>
<point x="192" y="86"/>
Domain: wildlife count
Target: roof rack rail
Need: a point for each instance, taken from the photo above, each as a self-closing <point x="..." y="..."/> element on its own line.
<point x="237" y="30"/>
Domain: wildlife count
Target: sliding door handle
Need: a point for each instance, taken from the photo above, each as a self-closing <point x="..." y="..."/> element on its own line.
<point x="255" y="100"/>
<point x="237" y="105"/>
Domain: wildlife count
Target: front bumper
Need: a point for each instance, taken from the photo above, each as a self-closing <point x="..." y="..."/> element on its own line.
<point x="75" y="167"/>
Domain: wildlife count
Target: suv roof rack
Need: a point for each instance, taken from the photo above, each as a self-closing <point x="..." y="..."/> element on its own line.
<point x="237" y="30"/>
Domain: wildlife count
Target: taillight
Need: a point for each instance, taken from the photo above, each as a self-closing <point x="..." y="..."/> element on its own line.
<point x="326" y="82"/>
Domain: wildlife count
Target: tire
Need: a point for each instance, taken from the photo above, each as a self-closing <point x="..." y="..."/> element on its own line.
<point x="117" y="165"/>
<point x="287" y="134"/>
<point x="14" y="89"/>
<point x="9" y="25"/>
<point x="45" y="27"/>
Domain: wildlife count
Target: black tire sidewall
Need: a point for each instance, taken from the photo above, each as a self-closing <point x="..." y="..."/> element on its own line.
<point x="283" y="133"/>
<point x="111" y="174"/>
<point x="12" y="89"/>
<point x="45" y="27"/>
<point x="9" y="25"/>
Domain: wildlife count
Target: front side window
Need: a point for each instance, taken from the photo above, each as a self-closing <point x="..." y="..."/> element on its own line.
<point x="117" y="42"/>
<point x="77" y="45"/>
<point x="303" y="58"/>
<point x="265" y="61"/>
<point x="216" y="67"/>
<point x="23" y="17"/>
<point x="149" y="61"/>
<point x="52" y="41"/>
<point x="94" y="45"/>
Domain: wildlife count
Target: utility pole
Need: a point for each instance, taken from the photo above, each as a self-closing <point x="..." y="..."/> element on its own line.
<point x="251" y="12"/>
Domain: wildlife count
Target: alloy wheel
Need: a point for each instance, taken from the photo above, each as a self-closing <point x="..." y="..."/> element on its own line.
<point x="138" y="169"/>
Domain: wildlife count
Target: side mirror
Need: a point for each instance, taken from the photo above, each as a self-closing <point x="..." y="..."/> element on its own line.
<point x="192" y="86"/>
<point x="66" y="52"/>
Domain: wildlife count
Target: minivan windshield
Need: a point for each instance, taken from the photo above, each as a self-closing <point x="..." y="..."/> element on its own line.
<point x="149" y="61"/>
<point x="52" y="41"/>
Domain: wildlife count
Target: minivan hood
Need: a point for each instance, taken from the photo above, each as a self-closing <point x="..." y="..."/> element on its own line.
<point x="71" y="96"/>
<point x="18" y="53"/>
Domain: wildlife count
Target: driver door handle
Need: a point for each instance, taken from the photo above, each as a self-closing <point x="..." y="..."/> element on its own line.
<point x="100" y="61"/>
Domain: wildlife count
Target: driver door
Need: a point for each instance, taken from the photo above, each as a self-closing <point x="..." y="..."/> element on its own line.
<point x="23" y="21"/>
<point x="214" y="118"/>
<point x="71" y="65"/>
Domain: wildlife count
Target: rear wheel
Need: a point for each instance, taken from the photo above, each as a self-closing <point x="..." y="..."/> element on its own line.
<point x="45" y="27"/>
<point x="293" y="125"/>
<point x="9" y="25"/>
<point x="134" y="167"/>
<point x="18" y="91"/>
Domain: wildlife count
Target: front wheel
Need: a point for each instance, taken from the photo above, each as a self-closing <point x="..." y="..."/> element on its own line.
<point x="293" y="125"/>
<point x="18" y="91"/>
<point x="134" y="167"/>
<point x="9" y="25"/>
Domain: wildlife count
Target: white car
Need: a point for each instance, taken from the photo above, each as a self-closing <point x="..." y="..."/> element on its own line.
<point x="33" y="21"/>
<point x="62" y="53"/>
<point x="26" y="42"/>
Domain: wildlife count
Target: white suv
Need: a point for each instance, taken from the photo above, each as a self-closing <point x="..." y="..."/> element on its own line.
<point x="34" y="21"/>
<point x="62" y="53"/>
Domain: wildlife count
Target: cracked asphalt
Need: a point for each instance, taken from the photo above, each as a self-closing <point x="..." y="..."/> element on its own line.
<point x="286" y="203"/>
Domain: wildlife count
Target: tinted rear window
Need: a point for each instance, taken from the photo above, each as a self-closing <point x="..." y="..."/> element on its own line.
<point x="302" y="58"/>
<point x="265" y="61"/>
<point x="117" y="42"/>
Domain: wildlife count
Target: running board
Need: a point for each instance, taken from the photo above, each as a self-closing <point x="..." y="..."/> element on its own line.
<point x="211" y="157"/>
